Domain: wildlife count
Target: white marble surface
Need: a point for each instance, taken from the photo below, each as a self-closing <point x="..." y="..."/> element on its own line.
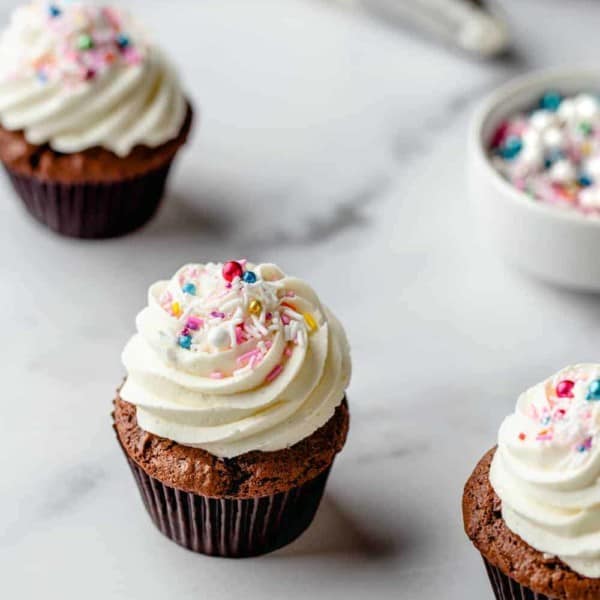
<point x="336" y="147"/>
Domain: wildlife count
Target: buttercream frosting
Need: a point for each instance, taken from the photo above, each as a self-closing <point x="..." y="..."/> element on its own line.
<point x="234" y="358"/>
<point x="76" y="75"/>
<point x="546" y="469"/>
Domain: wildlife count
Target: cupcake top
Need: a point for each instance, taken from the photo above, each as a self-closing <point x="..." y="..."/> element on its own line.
<point x="552" y="152"/>
<point x="76" y="76"/>
<point x="233" y="358"/>
<point x="546" y="470"/>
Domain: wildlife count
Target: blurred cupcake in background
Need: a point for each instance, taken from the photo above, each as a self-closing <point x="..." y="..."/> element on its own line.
<point x="234" y="406"/>
<point x="532" y="504"/>
<point x="92" y="116"/>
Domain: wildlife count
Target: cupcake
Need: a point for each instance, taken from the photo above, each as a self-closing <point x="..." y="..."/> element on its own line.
<point x="532" y="505"/>
<point x="234" y="407"/>
<point x="91" y="117"/>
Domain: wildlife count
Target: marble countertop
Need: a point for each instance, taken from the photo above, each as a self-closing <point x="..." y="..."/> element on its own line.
<point x="334" y="146"/>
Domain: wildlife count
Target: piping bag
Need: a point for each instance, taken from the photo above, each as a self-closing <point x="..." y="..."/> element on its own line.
<point x="465" y="24"/>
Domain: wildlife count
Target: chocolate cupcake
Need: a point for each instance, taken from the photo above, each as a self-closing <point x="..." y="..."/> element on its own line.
<point x="532" y="505"/>
<point x="233" y="408"/>
<point x="91" y="117"/>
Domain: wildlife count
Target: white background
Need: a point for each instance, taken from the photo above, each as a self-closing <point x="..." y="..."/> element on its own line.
<point x="334" y="146"/>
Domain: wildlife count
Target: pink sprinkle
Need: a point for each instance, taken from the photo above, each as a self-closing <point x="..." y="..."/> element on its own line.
<point x="559" y="415"/>
<point x="132" y="56"/>
<point x="574" y="153"/>
<point x="285" y="319"/>
<point x="520" y="183"/>
<point x="194" y="323"/>
<point x="216" y="375"/>
<point x="288" y="352"/>
<point x="240" y="336"/>
<point x="245" y="357"/>
<point x="274" y="373"/>
<point x="217" y="314"/>
<point x="518" y="128"/>
<point x="112" y="16"/>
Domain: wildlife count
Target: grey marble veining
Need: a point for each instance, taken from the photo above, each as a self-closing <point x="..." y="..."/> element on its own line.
<point x="334" y="146"/>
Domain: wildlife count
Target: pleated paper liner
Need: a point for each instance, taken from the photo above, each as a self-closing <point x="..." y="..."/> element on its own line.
<point x="93" y="210"/>
<point x="229" y="527"/>
<point x="506" y="588"/>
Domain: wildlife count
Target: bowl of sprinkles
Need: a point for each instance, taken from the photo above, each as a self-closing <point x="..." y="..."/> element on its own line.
<point x="552" y="151"/>
<point x="534" y="174"/>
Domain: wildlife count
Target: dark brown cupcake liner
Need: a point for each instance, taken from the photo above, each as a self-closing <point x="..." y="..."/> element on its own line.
<point x="92" y="210"/>
<point x="229" y="527"/>
<point x="506" y="588"/>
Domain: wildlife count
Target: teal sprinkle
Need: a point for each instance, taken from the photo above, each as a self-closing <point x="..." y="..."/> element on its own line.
<point x="593" y="394"/>
<point x="185" y="341"/>
<point x="551" y="100"/>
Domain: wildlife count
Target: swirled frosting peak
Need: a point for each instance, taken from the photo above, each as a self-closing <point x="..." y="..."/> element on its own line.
<point x="235" y="357"/>
<point x="546" y="469"/>
<point x="78" y="75"/>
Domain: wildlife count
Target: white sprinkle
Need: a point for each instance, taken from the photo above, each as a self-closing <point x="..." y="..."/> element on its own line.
<point x="562" y="171"/>
<point x="292" y="314"/>
<point x="243" y="370"/>
<point x="301" y="338"/>
<point x="542" y="120"/>
<point x="231" y="306"/>
<point x="587" y="107"/>
<point x="592" y="167"/>
<point x="219" y="338"/>
<point x="553" y="138"/>
<point x="590" y="197"/>
<point x="259" y="326"/>
<point x="531" y="157"/>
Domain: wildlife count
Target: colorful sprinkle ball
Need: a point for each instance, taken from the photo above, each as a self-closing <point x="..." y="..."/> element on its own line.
<point x="220" y="308"/>
<point x="255" y="307"/>
<point x="249" y="277"/>
<point x="594" y="391"/>
<point x="231" y="270"/>
<point x="83" y="41"/>
<point x="552" y="151"/>
<point x="566" y="414"/>
<point x="564" y="388"/>
<point x="189" y="288"/>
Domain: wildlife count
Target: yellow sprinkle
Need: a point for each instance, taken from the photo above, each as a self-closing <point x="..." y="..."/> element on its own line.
<point x="586" y="148"/>
<point x="176" y="309"/>
<point x="310" y="321"/>
<point x="255" y="307"/>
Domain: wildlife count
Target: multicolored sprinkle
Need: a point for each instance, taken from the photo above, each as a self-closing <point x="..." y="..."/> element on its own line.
<point x="564" y="411"/>
<point x="81" y="41"/>
<point x="220" y="308"/>
<point x="552" y="152"/>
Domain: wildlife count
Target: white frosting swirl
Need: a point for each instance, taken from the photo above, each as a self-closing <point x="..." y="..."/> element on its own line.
<point x="255" y="363"/>
<point x="546" y="469"/>
<point x="78" y="76"/>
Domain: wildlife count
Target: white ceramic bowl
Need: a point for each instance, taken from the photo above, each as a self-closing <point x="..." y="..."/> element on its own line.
<point x="558" y="245"/>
